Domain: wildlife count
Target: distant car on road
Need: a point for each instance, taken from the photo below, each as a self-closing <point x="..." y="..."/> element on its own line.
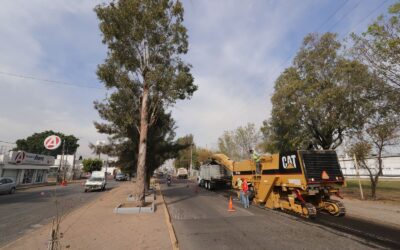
<point x="121" y="177"/>
<point x="97" y="181"/>
<point x="7" y="185"/>
<point x="182" y="173"/>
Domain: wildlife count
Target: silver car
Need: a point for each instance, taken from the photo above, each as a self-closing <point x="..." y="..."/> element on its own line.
<point x="7" y="185"/>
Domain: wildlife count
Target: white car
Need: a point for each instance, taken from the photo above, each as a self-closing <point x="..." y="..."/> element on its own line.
<point x="97" y="181"/>
<point x="7" y="185"/>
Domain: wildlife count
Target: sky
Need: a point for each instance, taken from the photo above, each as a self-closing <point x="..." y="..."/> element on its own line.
<point x="237" y="49"/>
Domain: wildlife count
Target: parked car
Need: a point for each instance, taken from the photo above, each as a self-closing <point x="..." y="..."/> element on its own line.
<point x="121" y="177"/>
<point x="7" y="185"/>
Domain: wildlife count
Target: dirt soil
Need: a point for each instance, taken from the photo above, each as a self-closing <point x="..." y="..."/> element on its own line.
<point x="96" y="226"/>
<point x="379" y="212"/>
<point x="385" y="209"/>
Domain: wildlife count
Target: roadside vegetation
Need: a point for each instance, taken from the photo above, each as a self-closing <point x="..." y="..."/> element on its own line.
<point x="387" y="191"/>
<point x="34" y="144"/>
<point x="146" y="75"/>
<point x="90" y="165"/>
<point x="191" y="153"/>
<point x="332" y="93"/>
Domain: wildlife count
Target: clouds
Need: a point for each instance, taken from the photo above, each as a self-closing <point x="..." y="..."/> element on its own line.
<point x="52" y="40"/>
<point x="237" y="49"/>
<point x="233" y="49"/>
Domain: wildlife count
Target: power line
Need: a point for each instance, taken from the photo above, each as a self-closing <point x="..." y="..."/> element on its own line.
<point x="345" y="15"/>
<point x="48" y="80"/>
<point x="333" y="14"/>
<point x="326" y="21"/>
<point x="8" y="142"/>
<point x="369" y="14"/>
<point x="355" y="6"/>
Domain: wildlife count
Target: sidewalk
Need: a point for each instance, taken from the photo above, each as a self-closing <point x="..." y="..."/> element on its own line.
<point x="387" y="214"/>
<point x="96" y="226"/>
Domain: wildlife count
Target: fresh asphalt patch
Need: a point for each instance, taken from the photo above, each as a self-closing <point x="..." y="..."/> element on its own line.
<point x="201" y="220"/>
<point x="372" y="233"/>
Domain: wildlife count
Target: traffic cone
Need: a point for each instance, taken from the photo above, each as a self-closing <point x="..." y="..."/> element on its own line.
<point x="230" y="207"/>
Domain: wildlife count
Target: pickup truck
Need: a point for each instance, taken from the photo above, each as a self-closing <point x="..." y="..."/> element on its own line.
<point x="97" y="181"/>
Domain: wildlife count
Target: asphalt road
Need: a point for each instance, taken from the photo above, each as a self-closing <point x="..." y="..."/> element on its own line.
<point x="201" y="221"/>
<point x="29" y="209"/>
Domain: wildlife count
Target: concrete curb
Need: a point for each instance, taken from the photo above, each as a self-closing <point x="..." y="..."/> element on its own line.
<point x="47" y="184"/>
<point x="36" y="186"/>
<point x="172" y="235"/>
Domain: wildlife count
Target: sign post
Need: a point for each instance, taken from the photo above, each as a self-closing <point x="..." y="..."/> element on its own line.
<point x="52" y="142"/>
<point x="358" y="177"/>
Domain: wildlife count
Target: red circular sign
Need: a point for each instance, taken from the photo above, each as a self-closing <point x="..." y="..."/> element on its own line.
<point x="19" y="157"/>
<point x="52" y="142"/>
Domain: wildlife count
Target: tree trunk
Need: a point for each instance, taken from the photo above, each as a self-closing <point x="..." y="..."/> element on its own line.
<point x="373" y="189"/>
<point x="374" y="182"/>
<point x="141" y="165"/>
<point x="148" y="176"/>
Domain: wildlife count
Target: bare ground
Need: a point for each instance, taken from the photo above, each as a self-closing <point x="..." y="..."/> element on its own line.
<point x="96" y="226"/>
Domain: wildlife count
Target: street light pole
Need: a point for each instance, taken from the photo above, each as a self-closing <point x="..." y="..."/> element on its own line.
<point x="191" y="159"/>
<point x="61" y="161"/>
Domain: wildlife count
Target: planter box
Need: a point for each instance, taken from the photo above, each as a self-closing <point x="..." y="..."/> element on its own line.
<point x="132" y="208"/>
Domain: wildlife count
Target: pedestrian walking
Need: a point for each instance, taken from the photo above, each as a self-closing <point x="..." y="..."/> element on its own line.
<point x="245" y="191"/>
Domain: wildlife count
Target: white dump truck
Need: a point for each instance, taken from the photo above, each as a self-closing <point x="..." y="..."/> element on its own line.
<point x="182" y="173"/>
<point x="213" y="175"/>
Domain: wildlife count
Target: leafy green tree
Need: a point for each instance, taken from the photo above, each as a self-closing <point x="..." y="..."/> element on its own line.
<point x="381" y="129"/>
<point x="145" y="40"/>
<point x="319" y="99"/>
<point x="189" y="152"/>
<point x="90" y="165"/>
<point x="201" y="155"/>
<point x="121" y="113"/>
<point x="183" y="158"/>
<point x="379" y="46"/>
<point x="237" y="143"/>
<point x="35" y="144"/>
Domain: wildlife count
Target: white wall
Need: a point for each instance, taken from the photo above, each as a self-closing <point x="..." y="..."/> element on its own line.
<point x="391" y="166"/>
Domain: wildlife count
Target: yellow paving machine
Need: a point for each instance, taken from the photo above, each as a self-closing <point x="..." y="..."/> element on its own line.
<point x="300" y="181"/>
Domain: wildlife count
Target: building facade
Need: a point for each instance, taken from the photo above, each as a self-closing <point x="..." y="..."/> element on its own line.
<point x="25" y="168"/>
<point x="69" y="167"/>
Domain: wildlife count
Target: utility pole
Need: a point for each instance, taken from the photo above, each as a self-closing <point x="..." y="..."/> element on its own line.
<point x="61" y="160"/>
<point x="106" y="168"/>
<point x="191" y="159"/>
<point x="73" y="167"/>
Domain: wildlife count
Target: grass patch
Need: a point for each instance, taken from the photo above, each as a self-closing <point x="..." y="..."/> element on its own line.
<point x="387" y="190"/>
<point x="382" y="184"/>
